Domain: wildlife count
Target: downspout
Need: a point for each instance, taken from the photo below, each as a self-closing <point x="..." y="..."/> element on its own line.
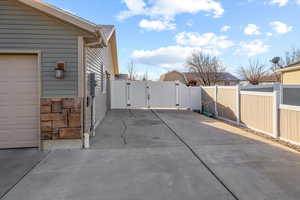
<point x="93" y="85"/>
<point x="86" y="102"/>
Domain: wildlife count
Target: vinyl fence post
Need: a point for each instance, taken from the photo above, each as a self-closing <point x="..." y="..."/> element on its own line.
<point x="190" y="97"/>
<point x="281" y="94"/>
<point x="200" y="99"/>
<point x="238" y="107"/>
<point x="216" y="101"/>
<point x="128" y="94"/>
<point x="177" y="94"/>
<point x="148" y="95"/>
<point x="275" y="114"/>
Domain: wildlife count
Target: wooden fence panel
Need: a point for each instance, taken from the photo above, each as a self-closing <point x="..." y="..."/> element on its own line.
<point x="227" y="103"/>
<point x="290" y="124"/>
<point x="257" y="111"/>
<point x="209" y="99"/>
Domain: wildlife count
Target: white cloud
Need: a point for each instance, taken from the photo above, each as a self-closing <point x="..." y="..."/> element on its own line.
<point x="172" y="7"/>
<point x="252" y="29"/>
<point x="298" y="2"/>
<point x="135" y="7"/>
<point x="280" y="27"/>
<point x="168" y="9"/>
<point x="169" y="57"/>
<point x="157" y="25"/>
<point x="252" y="48"/>
<point x="225" y="28"/>
<point x="269" y="34"/>
<point x="206" y="40"/>
<point x="280" y="3"/>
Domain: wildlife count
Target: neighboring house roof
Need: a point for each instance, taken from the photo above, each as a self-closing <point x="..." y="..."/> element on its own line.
<point x="222" y="76"/>
<point x="269" y="78"/>
<point x="292" y="67"/>
<point x="194" y="76"/>
<point x="122" y="77"/>
<point x="101" y="31"/>
<point x="163" y="76"/>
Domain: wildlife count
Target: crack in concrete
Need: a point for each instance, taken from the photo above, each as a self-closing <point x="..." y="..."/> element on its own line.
<point x="131" y="113"/>
<point x="123" y="135"/>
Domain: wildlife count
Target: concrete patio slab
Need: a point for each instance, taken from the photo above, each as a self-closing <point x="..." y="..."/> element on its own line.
<point x="150" y="173"/>
<point x="252" y="167"/>
<point x="137" y="155"/>
<point x="14" y="164"/>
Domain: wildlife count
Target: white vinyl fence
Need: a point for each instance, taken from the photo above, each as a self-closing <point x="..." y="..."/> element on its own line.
<point x="149" y="94"/>
<point x="270" y="109"/>
<point x="255" y="107"/>
<point x="259" y="111"/>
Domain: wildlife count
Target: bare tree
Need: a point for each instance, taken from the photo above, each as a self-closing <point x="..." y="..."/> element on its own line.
<point x="131" y="69"/>
<point x="145" y="76"/>
<point x="291" y="57"/>
<point x="254" y="72"/>
<point x="208" y="67"/>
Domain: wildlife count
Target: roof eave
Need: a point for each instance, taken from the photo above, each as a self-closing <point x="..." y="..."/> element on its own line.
<point x="111" y="34"/>
<point x="107" y="38"/>
<point x="288" y="69"/>
<point x="114" y="52"/>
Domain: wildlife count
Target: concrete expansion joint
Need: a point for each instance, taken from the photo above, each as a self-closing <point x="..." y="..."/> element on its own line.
<point x="27" y="173"/>
<point x="196" y="155"/>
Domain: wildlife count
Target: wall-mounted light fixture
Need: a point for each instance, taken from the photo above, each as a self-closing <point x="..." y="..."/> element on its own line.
<point x="59" y="70"/>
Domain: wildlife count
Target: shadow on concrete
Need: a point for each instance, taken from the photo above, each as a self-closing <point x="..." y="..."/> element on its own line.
<point x="252" y="168"/>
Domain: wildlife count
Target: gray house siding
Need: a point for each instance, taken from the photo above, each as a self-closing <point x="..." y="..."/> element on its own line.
<point x="24" y="28"/>
<point x="95" y="58"/>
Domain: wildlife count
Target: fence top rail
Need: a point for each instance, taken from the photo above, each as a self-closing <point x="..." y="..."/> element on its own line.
<point x="289" y="107"/>
<point x="290" y="86"/>
<point x="149" y="81"/>
<point x="255" y="93"/>
<point x="208" y="87"/>
<point x="258" y="86"/>
<point x="227" y="87"/>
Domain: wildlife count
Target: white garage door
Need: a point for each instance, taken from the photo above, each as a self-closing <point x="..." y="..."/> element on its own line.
<point x="19" y="111"/>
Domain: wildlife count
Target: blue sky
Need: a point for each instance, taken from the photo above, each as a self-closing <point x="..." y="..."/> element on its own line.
<point x="159" y="34"/>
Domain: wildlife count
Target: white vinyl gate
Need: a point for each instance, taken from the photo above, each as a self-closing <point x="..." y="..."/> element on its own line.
<point x="150" y="94"/>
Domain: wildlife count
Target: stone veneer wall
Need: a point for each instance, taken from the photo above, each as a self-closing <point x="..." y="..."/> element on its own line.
<point x="60" y="118"/>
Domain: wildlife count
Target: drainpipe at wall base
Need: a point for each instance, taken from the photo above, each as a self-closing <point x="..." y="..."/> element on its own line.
<point x="93" y="85"/>
<point x="86" y="138"/>
<point x="93" y="117"/>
